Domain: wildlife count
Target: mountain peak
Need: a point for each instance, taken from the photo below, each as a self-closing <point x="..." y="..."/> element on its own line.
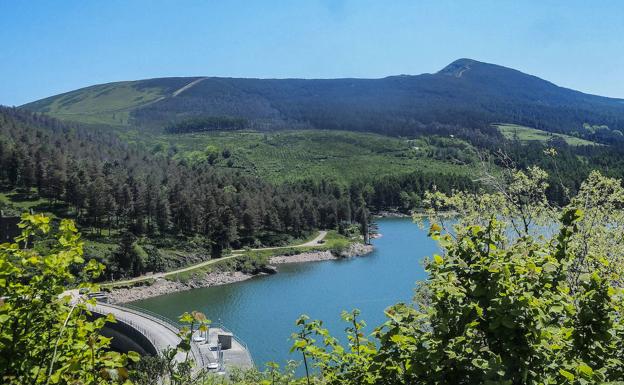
<point x="459" y="67"/>
<point x="466" y="92"/>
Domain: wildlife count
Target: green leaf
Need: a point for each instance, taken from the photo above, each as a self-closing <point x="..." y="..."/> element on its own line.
<point x="585" y="369"/>
<point x="300" y="344"/>
<point x="569" y="376"/>
<point x="134" y="356"/>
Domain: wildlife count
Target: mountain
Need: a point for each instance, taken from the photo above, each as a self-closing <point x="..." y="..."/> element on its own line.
<point x="465" y="93"/>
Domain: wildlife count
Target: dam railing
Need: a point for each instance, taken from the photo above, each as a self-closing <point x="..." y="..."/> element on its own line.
<point x="178" y="325"/>
<point x="241" y="342"/>
<point x="164" y="321"/>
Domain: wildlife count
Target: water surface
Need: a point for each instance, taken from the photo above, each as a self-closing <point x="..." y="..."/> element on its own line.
<point x="262" y="311"/>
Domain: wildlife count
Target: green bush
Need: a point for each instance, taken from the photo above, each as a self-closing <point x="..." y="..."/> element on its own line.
<point x="45" y="335"/>
<point x="508" y="302"/>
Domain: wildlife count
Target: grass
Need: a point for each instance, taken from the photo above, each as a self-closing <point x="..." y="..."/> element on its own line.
<point x="108" y="104"/>
<point x="333" y="241"/>
<point x="101" y="251"/>
<point x="528" y="134"/>
<point x="18" y="202"/>
<point x="14" y="203"/>
<point x="284" y="156"/>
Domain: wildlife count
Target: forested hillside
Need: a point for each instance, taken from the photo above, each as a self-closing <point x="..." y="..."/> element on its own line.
<point x="465" y="94"/>
<point x="211" y="164"/>
<point x="115" y="188"/>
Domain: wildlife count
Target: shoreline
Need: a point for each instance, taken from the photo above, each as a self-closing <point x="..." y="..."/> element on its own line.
<point x="391" y="214"/>
<point x="163" y="286"/>
<point x="354" y="250"/>
<point x="419" y="213"/>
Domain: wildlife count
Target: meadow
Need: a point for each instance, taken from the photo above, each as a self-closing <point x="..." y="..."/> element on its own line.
<point x="528" y="134"/>
<point x="283" y="156"/>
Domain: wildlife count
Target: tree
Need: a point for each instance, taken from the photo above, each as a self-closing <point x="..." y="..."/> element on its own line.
<point x="96" y="202"/>
<point x="45" y="334"/>
<point x="75" y="192"/>
<point x="212" y="153"/>
<point x="129" y="256"/>
<point x="27" y="173"/>
<point x="163" y="213"/>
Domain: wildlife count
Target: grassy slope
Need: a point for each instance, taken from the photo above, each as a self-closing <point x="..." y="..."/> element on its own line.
<point x="99" y="247"/>
<point x="526" y="134"/>
<point x="101" y="104"/>
<point x="294" y="155"/>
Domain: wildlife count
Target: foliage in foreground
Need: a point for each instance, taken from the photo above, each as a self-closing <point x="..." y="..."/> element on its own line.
<point x="523" y="293"/>
<point x="46" y="336"/>
<point x="510" y="301"/>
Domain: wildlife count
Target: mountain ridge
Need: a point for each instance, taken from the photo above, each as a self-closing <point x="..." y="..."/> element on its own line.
<point x="466" y="93"/>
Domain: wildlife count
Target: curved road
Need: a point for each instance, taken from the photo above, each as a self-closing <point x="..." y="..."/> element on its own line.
<point x="315" y="242"/>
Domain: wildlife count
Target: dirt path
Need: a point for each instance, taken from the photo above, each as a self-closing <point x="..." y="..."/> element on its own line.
<point x="186" y="87"/>
<point x="315" y="242"/>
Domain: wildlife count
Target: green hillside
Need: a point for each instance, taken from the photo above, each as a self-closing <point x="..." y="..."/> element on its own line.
<point x="310" y="154"/>
<point x="109" y="104"/>
<point x="528" y="134"/>
<point x="466" y="97"/>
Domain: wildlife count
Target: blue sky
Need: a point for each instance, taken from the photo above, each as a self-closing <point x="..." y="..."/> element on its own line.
<point x="49" y="47"/>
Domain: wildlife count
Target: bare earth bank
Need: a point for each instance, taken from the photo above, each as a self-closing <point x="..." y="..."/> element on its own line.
<point x="163" y="286"/>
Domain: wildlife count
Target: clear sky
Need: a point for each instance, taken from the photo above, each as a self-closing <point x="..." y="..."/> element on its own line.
<point x="49" y="47"/>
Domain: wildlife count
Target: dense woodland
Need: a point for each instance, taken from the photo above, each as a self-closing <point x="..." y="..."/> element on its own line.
<point x="106" y="184"/>
<point x="466" y="94"/>
<point x="501" y="304"/>
<point x="209" y="123"/>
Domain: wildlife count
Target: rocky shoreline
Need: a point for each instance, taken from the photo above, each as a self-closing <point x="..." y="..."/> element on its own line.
<point x="163" y="286"/>
<point x="354" y="250"/>
<point x="391" y="214"/>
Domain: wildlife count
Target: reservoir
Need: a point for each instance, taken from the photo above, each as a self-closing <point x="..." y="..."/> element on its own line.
<point x="262" y="311"/>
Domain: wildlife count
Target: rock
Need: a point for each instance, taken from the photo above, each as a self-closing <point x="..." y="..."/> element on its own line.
<point x="269" y="269"/>
<point x="356" y="249"/>
<point x="163" y="286"/>
<point x="391" y="214"/>
<point x="311" y="256"/>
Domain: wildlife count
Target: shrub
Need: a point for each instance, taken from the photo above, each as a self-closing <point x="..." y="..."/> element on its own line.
<point x="45" y="334"/>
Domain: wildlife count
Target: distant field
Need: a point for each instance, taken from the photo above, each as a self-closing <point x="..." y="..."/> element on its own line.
<point x="294" y="155"/>
<point x="528" y="134"/>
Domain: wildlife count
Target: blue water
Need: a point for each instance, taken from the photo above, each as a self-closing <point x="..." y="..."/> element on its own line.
<point x="262" y="311"/>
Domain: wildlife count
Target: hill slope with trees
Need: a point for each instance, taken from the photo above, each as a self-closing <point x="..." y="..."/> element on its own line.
<point x="466" y="93"/>
<point x="121" y="191"/>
